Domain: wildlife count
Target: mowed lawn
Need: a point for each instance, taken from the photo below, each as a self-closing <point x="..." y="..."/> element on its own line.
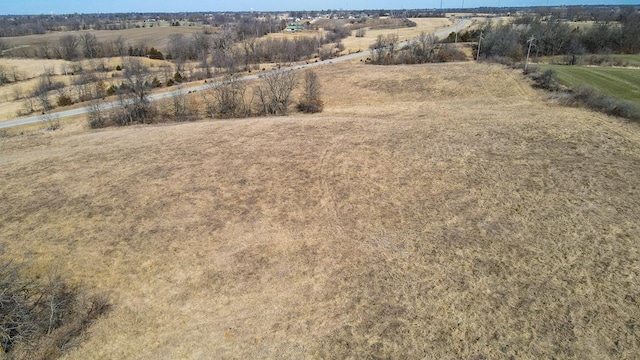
<point x="633" y="60"/>
<point x="623" y="83"/>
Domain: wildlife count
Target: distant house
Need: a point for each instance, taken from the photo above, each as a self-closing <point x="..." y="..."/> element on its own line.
<point x="294" y="27"/>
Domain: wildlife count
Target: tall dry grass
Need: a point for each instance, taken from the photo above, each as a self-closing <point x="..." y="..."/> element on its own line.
<point x="432" y="211"/>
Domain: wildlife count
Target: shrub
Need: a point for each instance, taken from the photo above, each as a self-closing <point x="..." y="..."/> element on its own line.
<point x="111" y="90"/>
<point x="97" y="123"/>
<point x="178" y="77"/>
<point x="310" y="106"/>
<point x="546" y="80"/>
<point x="531" y="70"/>
<point x="156" y="83"/>
<point x="409" y="23"/>
<point x="503" y="60"/>
<point x="310" y="101"/>
<point x="449" y="53"/>
<point x="53" y="122"/>
<point x="40" y="316"/>
<point x="594" y="100"/>
<point x="64" y="100"/>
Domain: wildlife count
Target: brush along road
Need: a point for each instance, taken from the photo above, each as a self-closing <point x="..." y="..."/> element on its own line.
<point x="84" y="110"/>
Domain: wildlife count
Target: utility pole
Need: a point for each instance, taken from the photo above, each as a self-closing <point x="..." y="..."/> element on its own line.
<point x="526" y="63"/>
<point x="479" y="43"/>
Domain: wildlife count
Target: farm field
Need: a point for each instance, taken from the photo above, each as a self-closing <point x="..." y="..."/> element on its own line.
<point x="623" y="83"/>
<point x="157" y="37"/>
<point x="428" y="25"/>
<point x="431" y="211"/>
<point x="13" y="95"/>
<point x="354" y="44"/>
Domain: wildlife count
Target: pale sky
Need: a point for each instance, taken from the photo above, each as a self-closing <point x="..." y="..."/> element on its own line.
<point x="16" y="7"/>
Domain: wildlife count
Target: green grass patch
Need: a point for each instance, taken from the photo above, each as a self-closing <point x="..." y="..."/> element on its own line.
<point x="621" y="83"/>
<point x="593" y="59"/>
<point x="633" y="60"/>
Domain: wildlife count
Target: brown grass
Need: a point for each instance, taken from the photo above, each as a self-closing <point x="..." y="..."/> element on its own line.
<point x="29" y="71"/>
<point x="428" y="25"/>
<point x="433" y="211"/>
<point x="157" y="37"/>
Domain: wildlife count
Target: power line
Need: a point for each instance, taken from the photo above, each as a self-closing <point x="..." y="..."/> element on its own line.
<point x="526" y="63"/>
<point x="479" y="42"/>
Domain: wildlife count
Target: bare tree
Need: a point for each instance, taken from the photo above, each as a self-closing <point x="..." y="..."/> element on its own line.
<point x="179" y="49"/>
<point x="310" y="101"/>
<point x="249" y="47"/>
<point x="120" y="46"/>
<point x="378" y="49"/>
<point x="15" y="74"/>
<point x="89" y="45"/>
<point x="180" y="109"/>
<point x="52" y="121"/>
<point x="45" y="50"/>
<point x="209" y="103"/>
<point x="68" y="47"/>
<point x="96" y="115"/>
<point x="16" y="298"/>
<point x="425" y="47"/>
<point x="392" y="43"/>
<point x="134" y="102"/>
<point x="33" y="309"/>
<point x="29" y="105"/>
<point x="273" y="95"/>
<point x="3" y="47"/>
<point x="202" y="44"/>
<point x="41" y="92"/>
<point x="222" y="49"/>
<point x="229" y="98"/>
<point x="4" y="78"/>
<point x="325" y="51"/>
<point x="167" y="72"/>
<point x="17" y="93"/>
<point x="631" y="32"/>
<point x="82" y="86"/>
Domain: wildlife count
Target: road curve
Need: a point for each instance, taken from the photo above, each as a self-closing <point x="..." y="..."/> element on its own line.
<point x="84" y="110"/>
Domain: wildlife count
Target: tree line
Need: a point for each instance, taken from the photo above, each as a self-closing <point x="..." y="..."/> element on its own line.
<point x="272" y="94"/>
<point x="235" y="50"/>
<point x="555" y="37"/>
<point x="21" y="25"/>
<point x="233" y="47"/>
<point x="426" y="48"/>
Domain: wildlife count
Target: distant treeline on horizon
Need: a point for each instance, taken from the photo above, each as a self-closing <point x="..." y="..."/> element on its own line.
<point x="20" y="25"/>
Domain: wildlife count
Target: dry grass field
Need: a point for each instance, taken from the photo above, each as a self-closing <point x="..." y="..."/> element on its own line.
<point x="157" y="37"/>
<point x="428" y="25"/>
<point x="13" y="95"/>
<point x="27" y="70"/>
<point x="437" y="211"/>
<point x="354" y="44"/>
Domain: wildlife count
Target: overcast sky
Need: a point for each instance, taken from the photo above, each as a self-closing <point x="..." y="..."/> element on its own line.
<point x="111" y="6"/>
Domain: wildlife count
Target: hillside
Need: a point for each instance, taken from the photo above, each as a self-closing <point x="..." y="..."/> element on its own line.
<point x="434" y="211"/>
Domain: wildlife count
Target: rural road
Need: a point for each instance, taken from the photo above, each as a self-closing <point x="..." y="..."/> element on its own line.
<point x="83" y="110"/>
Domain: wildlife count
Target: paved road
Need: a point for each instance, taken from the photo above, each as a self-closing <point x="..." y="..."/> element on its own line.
<point x="83" y="110"/>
